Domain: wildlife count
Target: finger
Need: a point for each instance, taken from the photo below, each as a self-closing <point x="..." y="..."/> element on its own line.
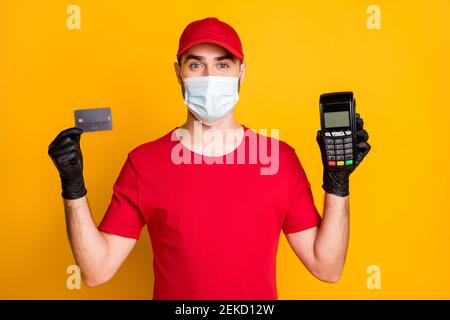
<point x="363" y="147"/>
<point x="62" y="136"/>
<point x="76" y="138"/>
<point x="68" y="158"/>
<point x="60" y="144"/>
<point x="359" y="122"/>
<point x="362" y="135"/>
<point x="66" y="149"/>
<point x="71" y="132"/>
<point x="318" y="136"/>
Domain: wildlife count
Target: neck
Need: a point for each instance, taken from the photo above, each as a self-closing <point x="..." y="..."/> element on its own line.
<point x="228" y="122"/>
<point x="203" y="134"/>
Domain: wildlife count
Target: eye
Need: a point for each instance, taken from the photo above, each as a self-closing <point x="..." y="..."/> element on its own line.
<point x="195" y="65"/>
<point x="223" y="65"/>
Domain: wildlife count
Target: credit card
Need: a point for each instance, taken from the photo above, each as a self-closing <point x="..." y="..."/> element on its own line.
<point x="97" y="119"/>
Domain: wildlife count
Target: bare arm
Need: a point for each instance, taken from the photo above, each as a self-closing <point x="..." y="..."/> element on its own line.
<point x="322" y="250"/>
<point x="98" y="254"/>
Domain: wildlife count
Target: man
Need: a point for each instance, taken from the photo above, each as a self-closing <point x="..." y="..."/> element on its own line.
<point x="214" y="227"/>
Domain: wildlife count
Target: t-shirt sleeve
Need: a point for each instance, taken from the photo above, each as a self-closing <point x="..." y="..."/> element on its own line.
<point x="123" y="216"/>
<point x="302" y="213"/>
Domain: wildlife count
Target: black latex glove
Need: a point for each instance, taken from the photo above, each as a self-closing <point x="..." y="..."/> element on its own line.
<point x="337" y="182"/>
<point x="66" y="155"/>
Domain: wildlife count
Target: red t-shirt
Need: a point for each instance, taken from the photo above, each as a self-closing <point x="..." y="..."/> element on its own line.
<point x="214" y="228"/>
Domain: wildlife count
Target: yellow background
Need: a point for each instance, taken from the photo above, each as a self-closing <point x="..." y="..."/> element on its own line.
<point x="295" y="50"/>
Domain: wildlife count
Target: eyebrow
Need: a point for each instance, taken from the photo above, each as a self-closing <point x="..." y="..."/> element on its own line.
<point x="201" y="58"/>
<point x="225" y="57"/>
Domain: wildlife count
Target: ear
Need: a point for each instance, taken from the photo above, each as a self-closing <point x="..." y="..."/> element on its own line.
<point x="178" y="72"/>
<point x="243" y="66"/>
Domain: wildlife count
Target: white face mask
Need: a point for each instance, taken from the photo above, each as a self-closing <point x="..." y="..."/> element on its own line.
<point x="210" y="98"/>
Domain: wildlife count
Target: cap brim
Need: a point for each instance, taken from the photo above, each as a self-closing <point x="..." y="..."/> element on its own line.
<point x="213" y="41"/>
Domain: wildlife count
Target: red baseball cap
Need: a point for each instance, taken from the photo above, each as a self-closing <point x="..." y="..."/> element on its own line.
<point x="210" y="30"/>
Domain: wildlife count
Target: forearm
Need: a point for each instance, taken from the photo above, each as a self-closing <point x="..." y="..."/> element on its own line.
<point x="330" y="246"/>
<point x="89" y="247"/>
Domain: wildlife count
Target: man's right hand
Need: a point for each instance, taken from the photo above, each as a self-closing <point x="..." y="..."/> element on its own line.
<point x="66" y="155"/>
